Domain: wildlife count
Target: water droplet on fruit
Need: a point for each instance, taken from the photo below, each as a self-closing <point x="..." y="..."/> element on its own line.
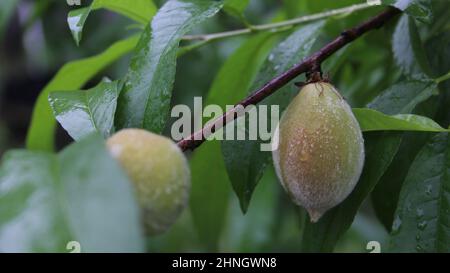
<point x="304" y="156"/>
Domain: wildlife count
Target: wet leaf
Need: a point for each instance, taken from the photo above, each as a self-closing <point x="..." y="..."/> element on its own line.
<point x="84" y="112"/>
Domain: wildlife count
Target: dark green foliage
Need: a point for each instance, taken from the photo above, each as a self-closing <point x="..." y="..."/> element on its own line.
<point x="395" y="78"/>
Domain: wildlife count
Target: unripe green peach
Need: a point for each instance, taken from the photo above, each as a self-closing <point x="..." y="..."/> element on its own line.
<point x="320" y="152"/>
<point x="159" y="172"/>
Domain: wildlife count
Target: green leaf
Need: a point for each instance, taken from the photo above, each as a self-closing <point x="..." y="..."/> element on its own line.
<point x="76" y="20"/>
<point x="295" y="8"/>
<point x="140" y="11"/>
<point x="244" y="160"/>
<point x="236" y="8"/>
<point x="403" y="97"/>
<point x="437" y="48"/>
<point x="145" y="100"/>
<point x="6" y="9"/>
<point x="386" y="193"/>
<point x="418" y="48"/>
<point x="423" y="214"/>
<point x="419" y="9"/>
<point x="209" y="193"/>
<point x="81" y="195"/>
<point x="372" y="120"/>
<point x="256" y="230"/>
<point x="100" y="199"/>
<point x="71" y="76"/>
<point x="84" y="112"/>
<point x="440" y="21"/>
<point x="409" y="53"/>
<point x="438" y="53"/>
<point x="235" y="77"/>
<point x="380" y="148"/>
<point x="230" y="85"/>
<point x="31" y="219"/>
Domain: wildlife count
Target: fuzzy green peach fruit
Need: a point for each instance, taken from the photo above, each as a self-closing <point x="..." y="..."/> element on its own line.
<point x="159" y="172"/>
<point x="318" y="149"/>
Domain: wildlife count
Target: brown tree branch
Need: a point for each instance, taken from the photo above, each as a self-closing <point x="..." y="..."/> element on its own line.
<point x="311" y="63"/>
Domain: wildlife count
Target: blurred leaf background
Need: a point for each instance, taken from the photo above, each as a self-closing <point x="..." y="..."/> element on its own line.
<point x="36" y="43"/>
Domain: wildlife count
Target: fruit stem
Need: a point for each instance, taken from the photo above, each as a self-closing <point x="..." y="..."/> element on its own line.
<point x="314" y="74"/>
